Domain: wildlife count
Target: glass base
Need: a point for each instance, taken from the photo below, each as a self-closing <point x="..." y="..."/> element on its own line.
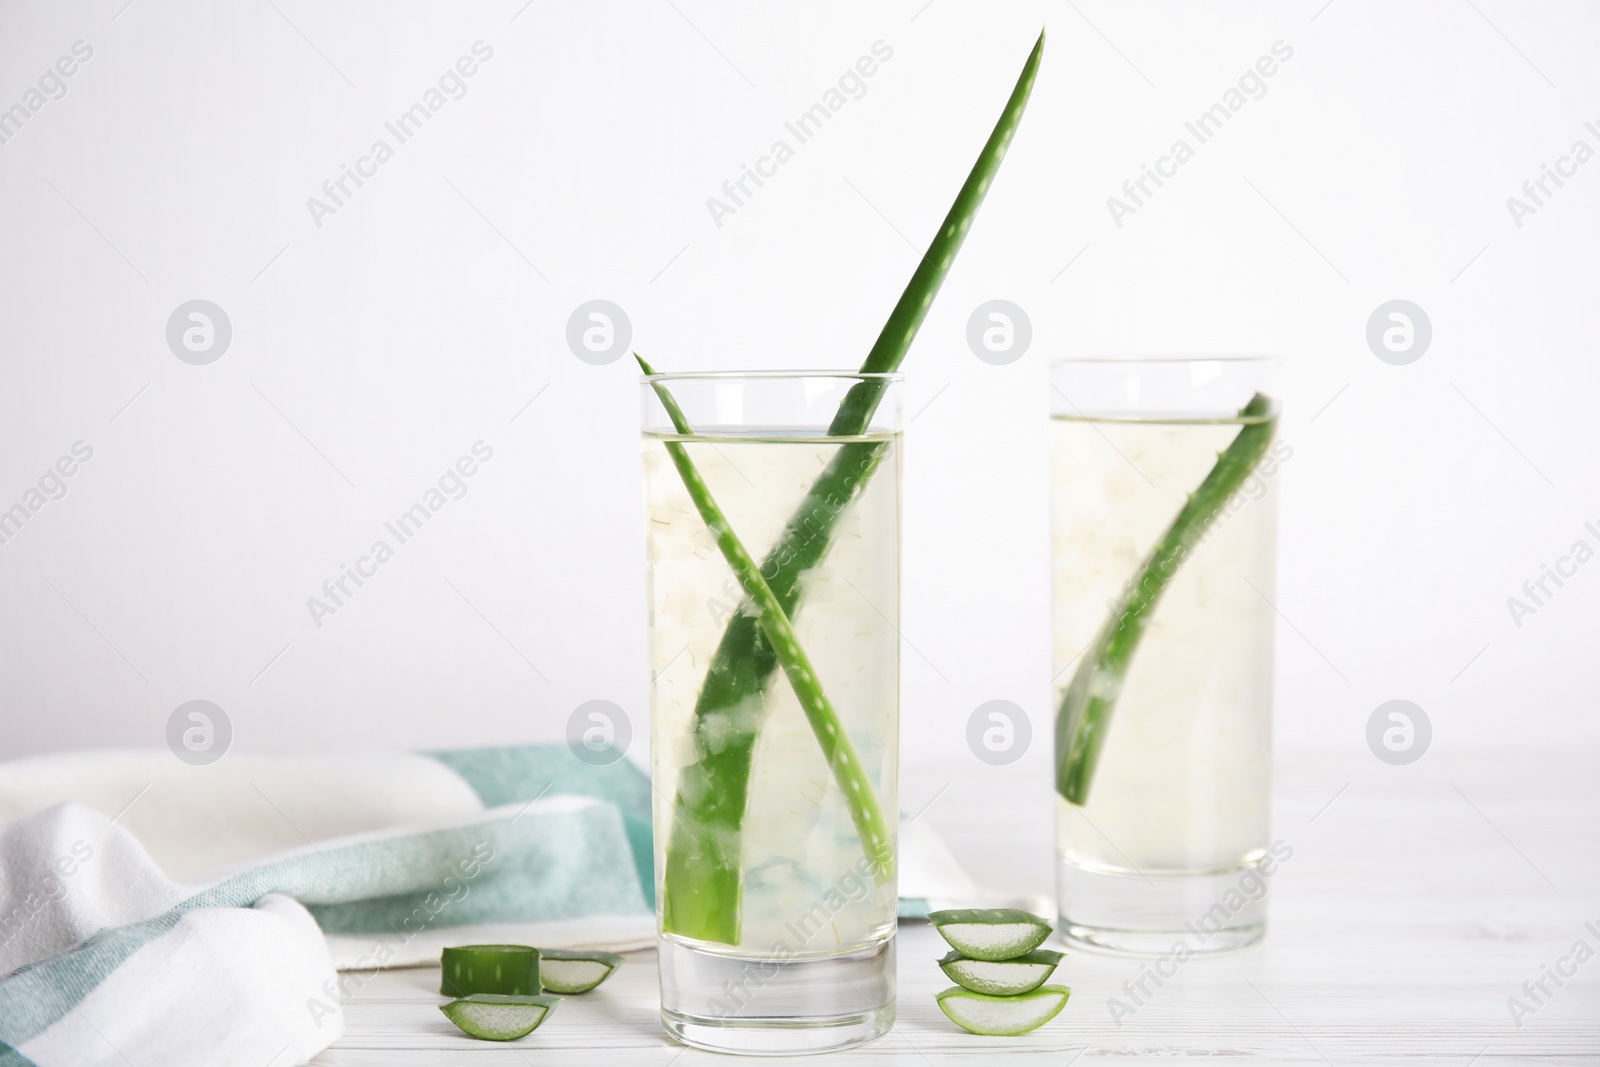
<point x="762" y="1006"/>
<point x="1129" y="914"/>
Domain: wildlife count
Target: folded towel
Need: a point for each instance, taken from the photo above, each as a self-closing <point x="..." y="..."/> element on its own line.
<point x="154" y="911"/>
<point x="197" y="820"/>
<point x="113" y="942"/>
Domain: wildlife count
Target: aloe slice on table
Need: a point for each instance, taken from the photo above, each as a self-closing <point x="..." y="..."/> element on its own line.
<point x="701" y="885"/>
<point x="991" y="934"/>
<point x="1084" y="715"/>
<point x="499" y="969"/>
<point x="575" y="972"/>
<point x="1001" y="978"/>
<point x="495" y="1017"/>
<point x="1002" y="1016"/>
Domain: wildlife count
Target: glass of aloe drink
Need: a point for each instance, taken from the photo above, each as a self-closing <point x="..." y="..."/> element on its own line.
<point x="772" y="535"/>
<point x="1164" y="543"/>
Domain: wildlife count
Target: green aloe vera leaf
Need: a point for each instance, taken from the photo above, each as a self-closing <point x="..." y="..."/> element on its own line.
<point x="701" y="882"/>
<point x="1001" y="978"/>
<point x="837" y="748"/>
<point x="1002" y="1016"/>
<point x="991" y="934"/>
<point x="572" y="971"/>
<point x="1084" y="715"/>
<point x="906" y="319"/>
<point x="497" y="1017"/>
<point x="502" y="969"/>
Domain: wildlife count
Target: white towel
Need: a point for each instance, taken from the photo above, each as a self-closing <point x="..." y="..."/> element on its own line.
<point x="155" y="912"/>
<point x="112" y="952"/>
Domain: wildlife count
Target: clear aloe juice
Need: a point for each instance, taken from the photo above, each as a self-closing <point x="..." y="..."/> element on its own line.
<point x="1177" y="809"/>
<point x="1182" y="782"/>
<point x="806" y="883"/>
<point x="774" y="814"/>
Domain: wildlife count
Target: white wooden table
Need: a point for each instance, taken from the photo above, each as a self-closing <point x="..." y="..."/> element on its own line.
<point x="1418" y="900"/>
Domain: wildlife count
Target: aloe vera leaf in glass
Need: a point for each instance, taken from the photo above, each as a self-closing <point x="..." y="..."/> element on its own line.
<point x="701" y="884"/>
<point x="840" y="752"/>
<point x="1084" y="715"/>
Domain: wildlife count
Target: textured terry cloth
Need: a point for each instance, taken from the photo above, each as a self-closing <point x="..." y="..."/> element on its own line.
<point x="105" y="957"/>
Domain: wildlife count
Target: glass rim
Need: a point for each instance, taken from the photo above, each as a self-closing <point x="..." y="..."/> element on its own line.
<point x="740" y="375"/>
<point x="1239" y="358"/>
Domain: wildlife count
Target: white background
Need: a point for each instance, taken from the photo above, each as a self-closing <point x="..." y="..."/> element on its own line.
<point x="372" y="351"/>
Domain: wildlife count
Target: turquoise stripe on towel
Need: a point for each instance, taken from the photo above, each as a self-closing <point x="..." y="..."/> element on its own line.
<point x="514" y="774"/>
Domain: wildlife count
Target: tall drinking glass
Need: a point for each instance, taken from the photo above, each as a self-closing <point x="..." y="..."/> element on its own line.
<point x="774" y="743"/>
<point x="1164" y="543"/>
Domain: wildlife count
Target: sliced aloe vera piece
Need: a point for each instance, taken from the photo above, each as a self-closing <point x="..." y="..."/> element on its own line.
<point x="1002" y="1016"/>
<point x="494" y="1017"/>
<point x="575" y="972"/>
<point x="506" y="970"/>
<point x="1001" y="978"/>
<point x="991" y="933"/>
